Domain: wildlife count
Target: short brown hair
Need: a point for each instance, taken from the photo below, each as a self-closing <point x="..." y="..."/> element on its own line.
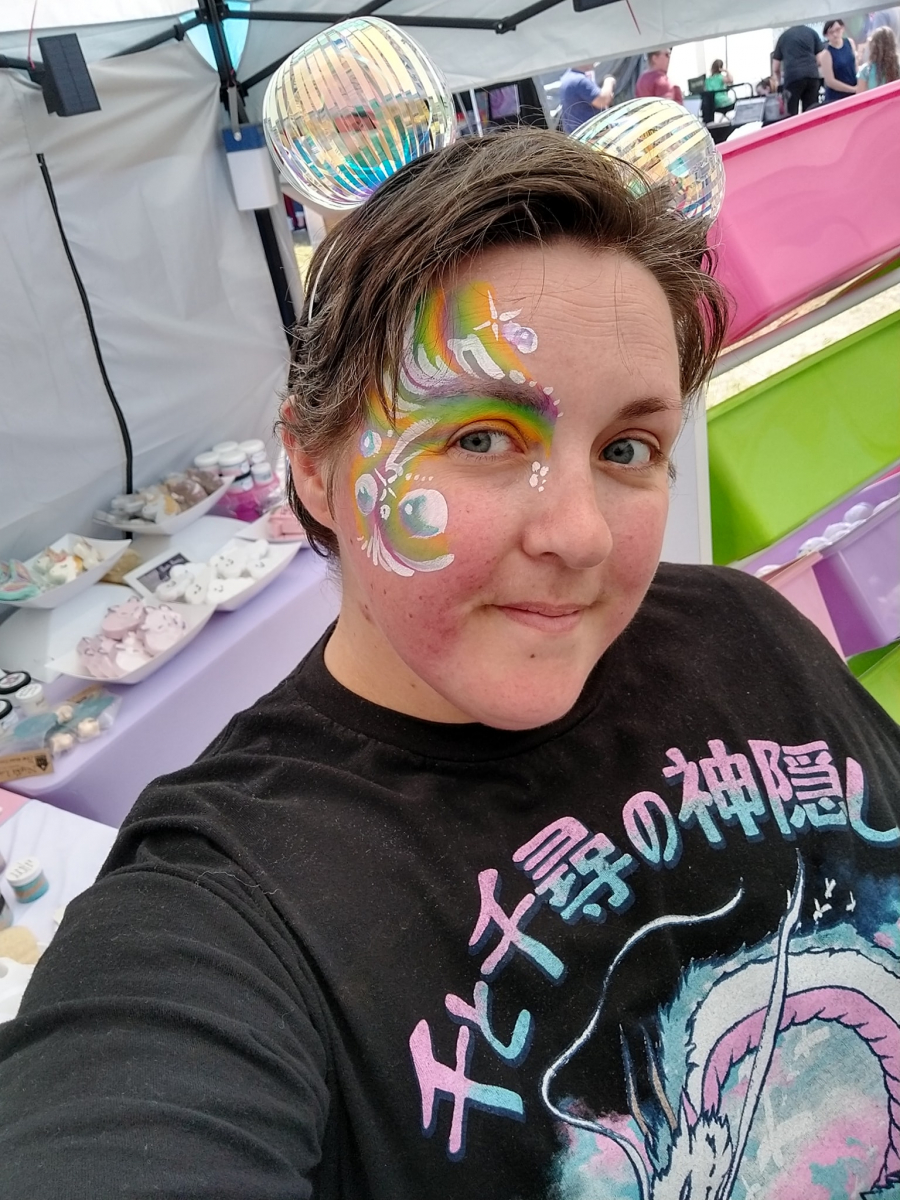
<point x="521" y="187"/>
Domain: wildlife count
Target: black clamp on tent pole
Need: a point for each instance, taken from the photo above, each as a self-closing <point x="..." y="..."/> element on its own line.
<point x="211" y="11"/>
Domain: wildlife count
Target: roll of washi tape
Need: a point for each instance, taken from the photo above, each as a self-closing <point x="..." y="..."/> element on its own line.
<point x="27" y="880"/>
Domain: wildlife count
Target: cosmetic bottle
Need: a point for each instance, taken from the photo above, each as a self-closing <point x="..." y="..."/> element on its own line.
<point x="207" y="461"/>
<point x="255" y="449"/>
<point x="238" y="501"/>
<point x="266" y="488"/>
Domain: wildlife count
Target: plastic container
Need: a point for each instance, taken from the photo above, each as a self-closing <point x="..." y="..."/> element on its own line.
<point x="882" y="680"/>
<point x="795" y="220"/>
<point x="9" y="718"/>
<point x="266" y="488"/>
<point x="30" y="699"/>
<point x="859" y="577"/>
<point x="797" y="582"/>
<point x="13" y="682"/>
<point x="109" y="550"/>
<point x="223" y="447"/>
<point x="27" y="880"/>
<point x="207" y="461"/>
<point x="168" y="525"/>
<point x="788" y="547"/>
<point x="255" y="449"/>
<point x="782" y="450"/>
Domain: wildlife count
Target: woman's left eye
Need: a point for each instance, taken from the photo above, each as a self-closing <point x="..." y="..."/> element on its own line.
<point x="630" y="452"/>
<point x="485" y="441"/>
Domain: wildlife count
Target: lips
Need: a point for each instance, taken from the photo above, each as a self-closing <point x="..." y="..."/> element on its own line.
<point x="550" y="618"/>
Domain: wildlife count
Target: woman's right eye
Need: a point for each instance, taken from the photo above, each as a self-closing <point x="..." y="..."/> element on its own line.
<point x="485" y="441"/>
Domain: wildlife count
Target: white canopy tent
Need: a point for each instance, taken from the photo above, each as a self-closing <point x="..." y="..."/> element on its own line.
<point x="130" y="280"/>
<point x="469" y="57"/>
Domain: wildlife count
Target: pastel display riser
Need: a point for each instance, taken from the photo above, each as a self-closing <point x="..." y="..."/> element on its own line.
<point x="882" y="679"/>
<point x="789" y="447"/>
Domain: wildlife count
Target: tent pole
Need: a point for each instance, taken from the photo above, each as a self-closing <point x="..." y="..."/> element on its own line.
<point x="212" y="11"/>
<point x="176" y="33"/>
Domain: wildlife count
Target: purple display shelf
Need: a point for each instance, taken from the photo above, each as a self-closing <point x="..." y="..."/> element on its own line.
<point x="859" y="577"/>
<point x="166" y="720"/>
<point x="886" y="487"/>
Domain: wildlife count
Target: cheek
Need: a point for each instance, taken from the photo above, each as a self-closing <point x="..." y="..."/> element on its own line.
<point x="637" y="527"/>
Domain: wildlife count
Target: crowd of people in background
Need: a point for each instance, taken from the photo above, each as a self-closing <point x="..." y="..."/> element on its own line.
<point x="806" y="69"/>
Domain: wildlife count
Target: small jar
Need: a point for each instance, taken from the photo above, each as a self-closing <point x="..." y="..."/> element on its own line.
<point x="224" y="447"/>
<point x="255" y="449"/>
<point x="30" y="699"/>
<point x="11" y="683"/>
<point x="234" y="467"/>
<point x="262" y="472"/>
<point x="27" y="880"/>
<point x="207" y="461"/>
<point x="9" y="718"/>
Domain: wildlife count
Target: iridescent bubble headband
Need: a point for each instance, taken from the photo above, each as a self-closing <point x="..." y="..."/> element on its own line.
<point x="362" y="99"/>
<point x="351" y="107"/>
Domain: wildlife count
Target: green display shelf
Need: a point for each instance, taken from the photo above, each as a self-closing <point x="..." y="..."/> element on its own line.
<point x="786" y="448"/>
<point x="883" y="679"/>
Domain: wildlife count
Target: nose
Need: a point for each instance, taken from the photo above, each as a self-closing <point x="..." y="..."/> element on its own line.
<point x="566" y="520"/>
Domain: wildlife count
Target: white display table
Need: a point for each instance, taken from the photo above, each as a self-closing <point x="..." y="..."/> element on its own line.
<point x="71" y="851"/>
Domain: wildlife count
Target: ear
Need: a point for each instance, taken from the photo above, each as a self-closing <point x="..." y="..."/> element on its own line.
<point x="309" y="484"/>
<point x="309" y="480"/>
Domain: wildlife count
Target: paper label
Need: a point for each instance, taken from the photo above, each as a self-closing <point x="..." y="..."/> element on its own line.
<point x="92" y="689"/>
<point x="20" y="766"/>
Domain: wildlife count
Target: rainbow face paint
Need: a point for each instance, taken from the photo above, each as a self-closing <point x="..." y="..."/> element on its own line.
<point x="453" y="341"/>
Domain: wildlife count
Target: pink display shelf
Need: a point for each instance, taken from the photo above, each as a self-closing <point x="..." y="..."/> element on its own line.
<point x="797" y="582"/>
<point x="168" y="719"/>
<point x="810" y="203"/>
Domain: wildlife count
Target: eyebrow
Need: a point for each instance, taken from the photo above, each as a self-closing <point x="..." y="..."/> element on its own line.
<point x="646" y="407"/>
<point x="535" y="397"/>
<point x="498" y="389"/>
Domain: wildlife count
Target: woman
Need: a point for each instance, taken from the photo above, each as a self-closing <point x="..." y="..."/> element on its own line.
<point x="883" y="65"/>
<point x="719" y="81"/>
<point x="551" y="867"/>
<point x="837" y="62"/>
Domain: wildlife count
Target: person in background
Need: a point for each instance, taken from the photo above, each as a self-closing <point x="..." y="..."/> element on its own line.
<point x="795" y="67"/>
<point x="837" y="62"/>
<point x="889" y="17"/>
<point x="581" y="98"/>
<point x="719" y="81"/>
<point x="883" y="65"/>
<point x="655" y="80"/>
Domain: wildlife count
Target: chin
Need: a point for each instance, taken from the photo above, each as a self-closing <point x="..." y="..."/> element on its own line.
<point x="526" y="704"/>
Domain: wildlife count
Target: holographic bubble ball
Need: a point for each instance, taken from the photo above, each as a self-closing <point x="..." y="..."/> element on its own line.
<point x="667" y="145"/>
<point x="351" y="107"/>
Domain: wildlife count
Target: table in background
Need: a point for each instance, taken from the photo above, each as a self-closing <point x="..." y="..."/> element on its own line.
<point x="169" y="718"/>
<point x="71" y="851"/>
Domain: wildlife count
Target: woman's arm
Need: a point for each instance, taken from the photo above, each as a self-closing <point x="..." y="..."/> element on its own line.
<point x="165" y="1046"/>
<point x="826" y="66"/>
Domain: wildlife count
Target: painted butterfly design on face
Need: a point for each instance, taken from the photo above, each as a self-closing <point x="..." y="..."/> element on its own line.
<point x="401" y="521"/>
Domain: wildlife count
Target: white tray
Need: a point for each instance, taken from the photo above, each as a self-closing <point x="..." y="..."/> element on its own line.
<point x="260" y="529"/>
<point x="279" y="556"/>
<point x="195" y="616"/>
<point x="111" y="551"/>
<point x="169" y="524"/>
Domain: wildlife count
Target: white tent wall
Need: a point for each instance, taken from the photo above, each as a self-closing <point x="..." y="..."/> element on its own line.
<point x="551" y="39"/>
<point x="176" y="277"/>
